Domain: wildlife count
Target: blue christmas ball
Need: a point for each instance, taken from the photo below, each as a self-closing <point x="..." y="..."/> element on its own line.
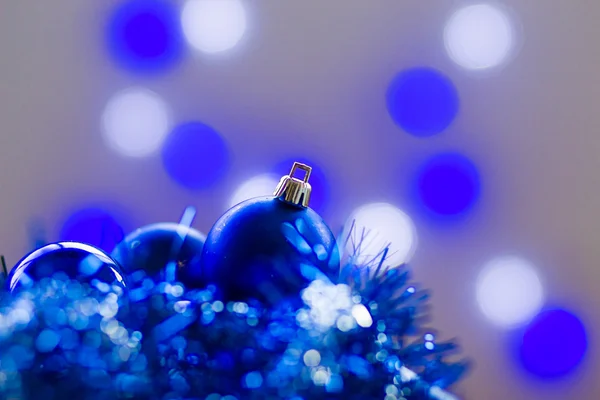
<point x="267" y="249"/>
<point x="70" y="260"/>
<point x="163" y="250"/>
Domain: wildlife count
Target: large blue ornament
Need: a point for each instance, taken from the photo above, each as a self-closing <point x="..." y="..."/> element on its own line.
<point x="269" y="248"/>
<point x="71" y="260"/>
<point x="167" y="250"/>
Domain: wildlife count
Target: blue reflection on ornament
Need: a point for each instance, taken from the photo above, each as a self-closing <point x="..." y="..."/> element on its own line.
<point x="145" y="36"/>
<point x="78" y="261"/>
<point x="318" y="181"/>
<point x="448" y="184"/>
<point x="156" y="248"/>
<point x="422" y="101"/>
<point x="195" y="155"/>
<point x="553" y="344"/>
<point x="93" y="226"/>
<point x="264" y="248"/>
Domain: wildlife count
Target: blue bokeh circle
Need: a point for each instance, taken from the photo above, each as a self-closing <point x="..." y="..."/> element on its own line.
<point x="448" y="184"/>
<point x="93" y="226"/>
<point x="145" y="36"/>
<point x="422" y="101"/>
<point x="553" y="344"/>
<point x="195" y="155"/>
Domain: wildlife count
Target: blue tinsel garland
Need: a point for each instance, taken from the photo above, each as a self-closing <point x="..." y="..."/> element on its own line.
<point x="359" y="338"/>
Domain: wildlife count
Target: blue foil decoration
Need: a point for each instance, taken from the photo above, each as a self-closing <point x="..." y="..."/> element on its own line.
<point x="356" y="339"/>
<point x="356" y="334"/>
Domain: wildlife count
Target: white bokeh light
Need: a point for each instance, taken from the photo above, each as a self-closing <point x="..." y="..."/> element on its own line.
<point x="261" y="185"/>
<point x="135" y="122"/>
<point x="479" y="36"/>
<point x="213" y="26"/>
<point x="377" y="226"/>
<point x="509" y="291"/>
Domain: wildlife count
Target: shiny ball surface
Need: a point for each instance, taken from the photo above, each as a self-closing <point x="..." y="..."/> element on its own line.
<point x="267" y="249"/>
<point x="154" y="247"/>
<point x="72" y="260"/>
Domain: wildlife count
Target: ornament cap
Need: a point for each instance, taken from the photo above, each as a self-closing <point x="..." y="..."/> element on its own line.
<point x="293" y="190"/>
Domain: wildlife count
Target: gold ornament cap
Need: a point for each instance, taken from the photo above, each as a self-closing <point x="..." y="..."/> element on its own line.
<point x="293" y="190"/>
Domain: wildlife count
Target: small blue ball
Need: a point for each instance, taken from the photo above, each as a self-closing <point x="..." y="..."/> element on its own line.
<point x="266" y="249"/>
<point x="152" y="247"/>
<point x="77" y="261"/>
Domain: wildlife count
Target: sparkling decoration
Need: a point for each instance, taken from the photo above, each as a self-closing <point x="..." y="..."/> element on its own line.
<point x="169" y="250"/>
<point x="62" y="338"/>
<point x="357" y="338"/>
<point x="269" y="247"/>
<point x="350" y="333"/>
<point x="73" y="260"/>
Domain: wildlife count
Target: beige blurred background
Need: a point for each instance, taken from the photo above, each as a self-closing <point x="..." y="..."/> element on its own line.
<point x="310" y="79"/>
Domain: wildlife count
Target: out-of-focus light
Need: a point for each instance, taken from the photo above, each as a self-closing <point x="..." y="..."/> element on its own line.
<point x="93" y="226"/>
<point x="253" y="380"/>
<point x="47" y="340"/>
<point x="213" y="26"/>
<point x="553" y="344"/>
<point x="145" y="36"/>
<point x="320" y="186"/>
<point x="372" y="228"/>
<point x="448" y="184"/>
<point x="135" y="122"/>
<point x="422" y="101"/>
<point x="312" y="358"/>
<point x="509" y="291"/>
<point x="362" y="315"/>
<point x="479" y="36"/>
<point x="195" y="155"/>
<point x="261" y="185"/>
